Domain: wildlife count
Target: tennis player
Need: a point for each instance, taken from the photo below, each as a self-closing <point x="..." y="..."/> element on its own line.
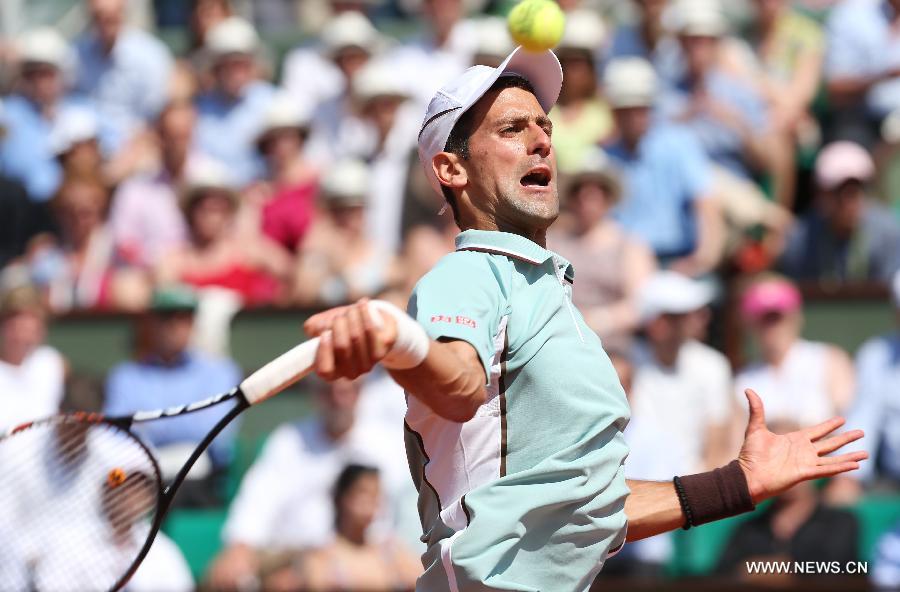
<point x="515" y="418"/>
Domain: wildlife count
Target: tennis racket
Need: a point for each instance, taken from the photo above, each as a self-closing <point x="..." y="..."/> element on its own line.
<point x="81" y="497"/>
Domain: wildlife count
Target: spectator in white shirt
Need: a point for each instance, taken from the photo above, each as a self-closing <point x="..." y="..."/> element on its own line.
<point x="123" y="69"/>
<point x="311" y="74"/>
<point x="31" y="373"/>
<point x="284" y="502"/>
<point x="680" y="397"/>
<point x="800" y="381"/>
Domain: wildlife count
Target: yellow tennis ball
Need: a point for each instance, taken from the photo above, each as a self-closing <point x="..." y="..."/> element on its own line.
<point x="536" y="25"/>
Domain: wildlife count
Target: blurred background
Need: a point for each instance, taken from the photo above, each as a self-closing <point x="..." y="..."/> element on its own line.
<point x="182" y="183"/>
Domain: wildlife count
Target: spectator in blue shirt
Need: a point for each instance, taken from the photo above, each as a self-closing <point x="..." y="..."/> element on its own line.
<point x="124" y="70"/>
<point x="862" y="66"/>
<point x="31" y="113"/>
<point x="724" y="112"/>
<point x="648" y="38"/>
<point x="172" y="373"/>
<point x="235" y="109"/>
<point x="666" y="198"/>
<point x="846" y="236"/>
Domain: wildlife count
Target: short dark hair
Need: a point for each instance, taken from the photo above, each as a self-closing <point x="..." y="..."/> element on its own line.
<point x="458" y="140"/>
<point x="347" y="479"/>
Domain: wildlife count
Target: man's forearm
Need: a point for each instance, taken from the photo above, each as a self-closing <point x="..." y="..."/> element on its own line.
<point x="450" y="380"/>
<point x="655" y="507"/>
<point x="652" y="508"/>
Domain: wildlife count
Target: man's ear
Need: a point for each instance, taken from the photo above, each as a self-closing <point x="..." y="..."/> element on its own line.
<point x="449" y="170"/>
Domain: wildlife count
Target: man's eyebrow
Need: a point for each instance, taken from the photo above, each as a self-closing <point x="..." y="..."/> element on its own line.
<point x="541" y="120"/>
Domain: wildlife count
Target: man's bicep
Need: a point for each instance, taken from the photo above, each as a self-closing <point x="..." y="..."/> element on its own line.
<point x="467" y="355"/>
<point x="461" y="300"/>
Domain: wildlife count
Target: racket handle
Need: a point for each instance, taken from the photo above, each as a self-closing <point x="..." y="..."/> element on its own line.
<point x="281" y="372"/>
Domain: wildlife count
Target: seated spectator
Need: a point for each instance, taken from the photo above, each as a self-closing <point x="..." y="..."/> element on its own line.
<point x="283" y="204"/>
<point x="440" y="52"/>
<point x="170" y="373"/>
<point x="124" y="70"/>
<point x="580" y="118"/>
<point x="680" y="394"/>
<point x="146" y="219"/>
<point x="723" y="111"/>
<point x="235" y="107"/>
<point x="284" y="503"/>
<point x="350" y="42"/>
<point x="847" y="236"/>
<point x="681" y="391"/>
<point x="862" y="74"/>
<point x="797" y="526"/>
<point x="799" y="381"/>
<point x="31" y="372"/>
<point x="31" y="112"/>
<point x="611" y="265"/>
<point x="310" y="74"/>
<point x="790" y="49"/>
<point x="352" y="561"/>
<point x="664" y="171"/>
<point x="648" y="38"/>
<point x="875" y="412"/>
<point x="61" y="480"/>
<point x="75" y="143"/>
<point x="337" y="262"/>
<point x="388" y="122"/>
<point x="215" y="255"/>
<point x="492" y="42"/>
<point x="82" y="269"/>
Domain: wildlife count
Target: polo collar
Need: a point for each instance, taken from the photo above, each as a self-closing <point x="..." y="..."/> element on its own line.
<point x="514" y="246"/>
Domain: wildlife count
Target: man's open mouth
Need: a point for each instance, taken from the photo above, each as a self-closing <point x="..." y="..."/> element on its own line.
<point x="537" y="177"/>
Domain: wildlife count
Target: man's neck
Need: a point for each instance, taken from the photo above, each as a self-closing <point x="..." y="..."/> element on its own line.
<point x="484" y="222"/>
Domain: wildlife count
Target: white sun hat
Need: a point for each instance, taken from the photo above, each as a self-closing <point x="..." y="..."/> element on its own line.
<point x="233" y="35"/>
<point x="541" y="69"/>
<point x="346" y="183"/>
<point x="704" y="18"/>
<point x="585" y="30"/>
<point x="351" y="29"/>
<point x="669" y="292"/>
<point x="284" y="112"/>
<point x="43" y="45"/>
<point x="630" y="82"/>
<point x="74" y="125"/>
<point x="378" y="79"/>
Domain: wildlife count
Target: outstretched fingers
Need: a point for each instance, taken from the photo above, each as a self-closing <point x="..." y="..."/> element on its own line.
<point x="857" y="456"/>
<point x="821" y="430"/>
<point x="829" y="445"/>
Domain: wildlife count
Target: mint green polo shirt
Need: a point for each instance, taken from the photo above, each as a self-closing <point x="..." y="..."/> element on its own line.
<point x="529" y="494"/>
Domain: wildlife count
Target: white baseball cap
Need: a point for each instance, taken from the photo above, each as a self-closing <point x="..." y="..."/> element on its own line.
<point x="541" y="69"/>
<point x="346" y="183"/>
<point x="669" y="292"/>
<point x="842" y="161"/>
<point x="233" y="35"/>
<point x="630" y="82"/>
<point x="44" y="45"/>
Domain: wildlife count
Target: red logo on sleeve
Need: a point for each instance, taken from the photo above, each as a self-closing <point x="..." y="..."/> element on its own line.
<point x="459" y="320"/>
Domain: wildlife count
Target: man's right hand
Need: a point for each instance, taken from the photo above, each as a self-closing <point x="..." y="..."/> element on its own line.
<point x="351" y="339"/>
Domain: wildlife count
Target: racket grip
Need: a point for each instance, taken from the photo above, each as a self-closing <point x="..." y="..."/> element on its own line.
<point x="281" y="372"/>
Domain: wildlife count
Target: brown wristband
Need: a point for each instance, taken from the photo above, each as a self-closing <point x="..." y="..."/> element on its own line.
<point x="714" y="495"/>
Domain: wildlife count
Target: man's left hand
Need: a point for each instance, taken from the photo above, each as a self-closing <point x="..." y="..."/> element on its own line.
<point x="774" y="463"/>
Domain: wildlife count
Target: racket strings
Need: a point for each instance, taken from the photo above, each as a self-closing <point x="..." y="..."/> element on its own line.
<point x="76" y="505"/>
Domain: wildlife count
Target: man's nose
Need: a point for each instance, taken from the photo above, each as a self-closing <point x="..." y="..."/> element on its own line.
<point x="539" y="141"/>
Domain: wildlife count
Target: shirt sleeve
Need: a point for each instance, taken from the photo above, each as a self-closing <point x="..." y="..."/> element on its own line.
<point x="461" y="298"/>
<point x="845" y="55"/>
<point x="260" y="497"/>
<point x="867" y="412"/>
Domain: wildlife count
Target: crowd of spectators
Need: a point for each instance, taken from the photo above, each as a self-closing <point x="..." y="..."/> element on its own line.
<point x="712" y="156"/>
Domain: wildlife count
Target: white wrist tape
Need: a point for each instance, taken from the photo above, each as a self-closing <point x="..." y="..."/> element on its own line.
<point x="412" y="342"/>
